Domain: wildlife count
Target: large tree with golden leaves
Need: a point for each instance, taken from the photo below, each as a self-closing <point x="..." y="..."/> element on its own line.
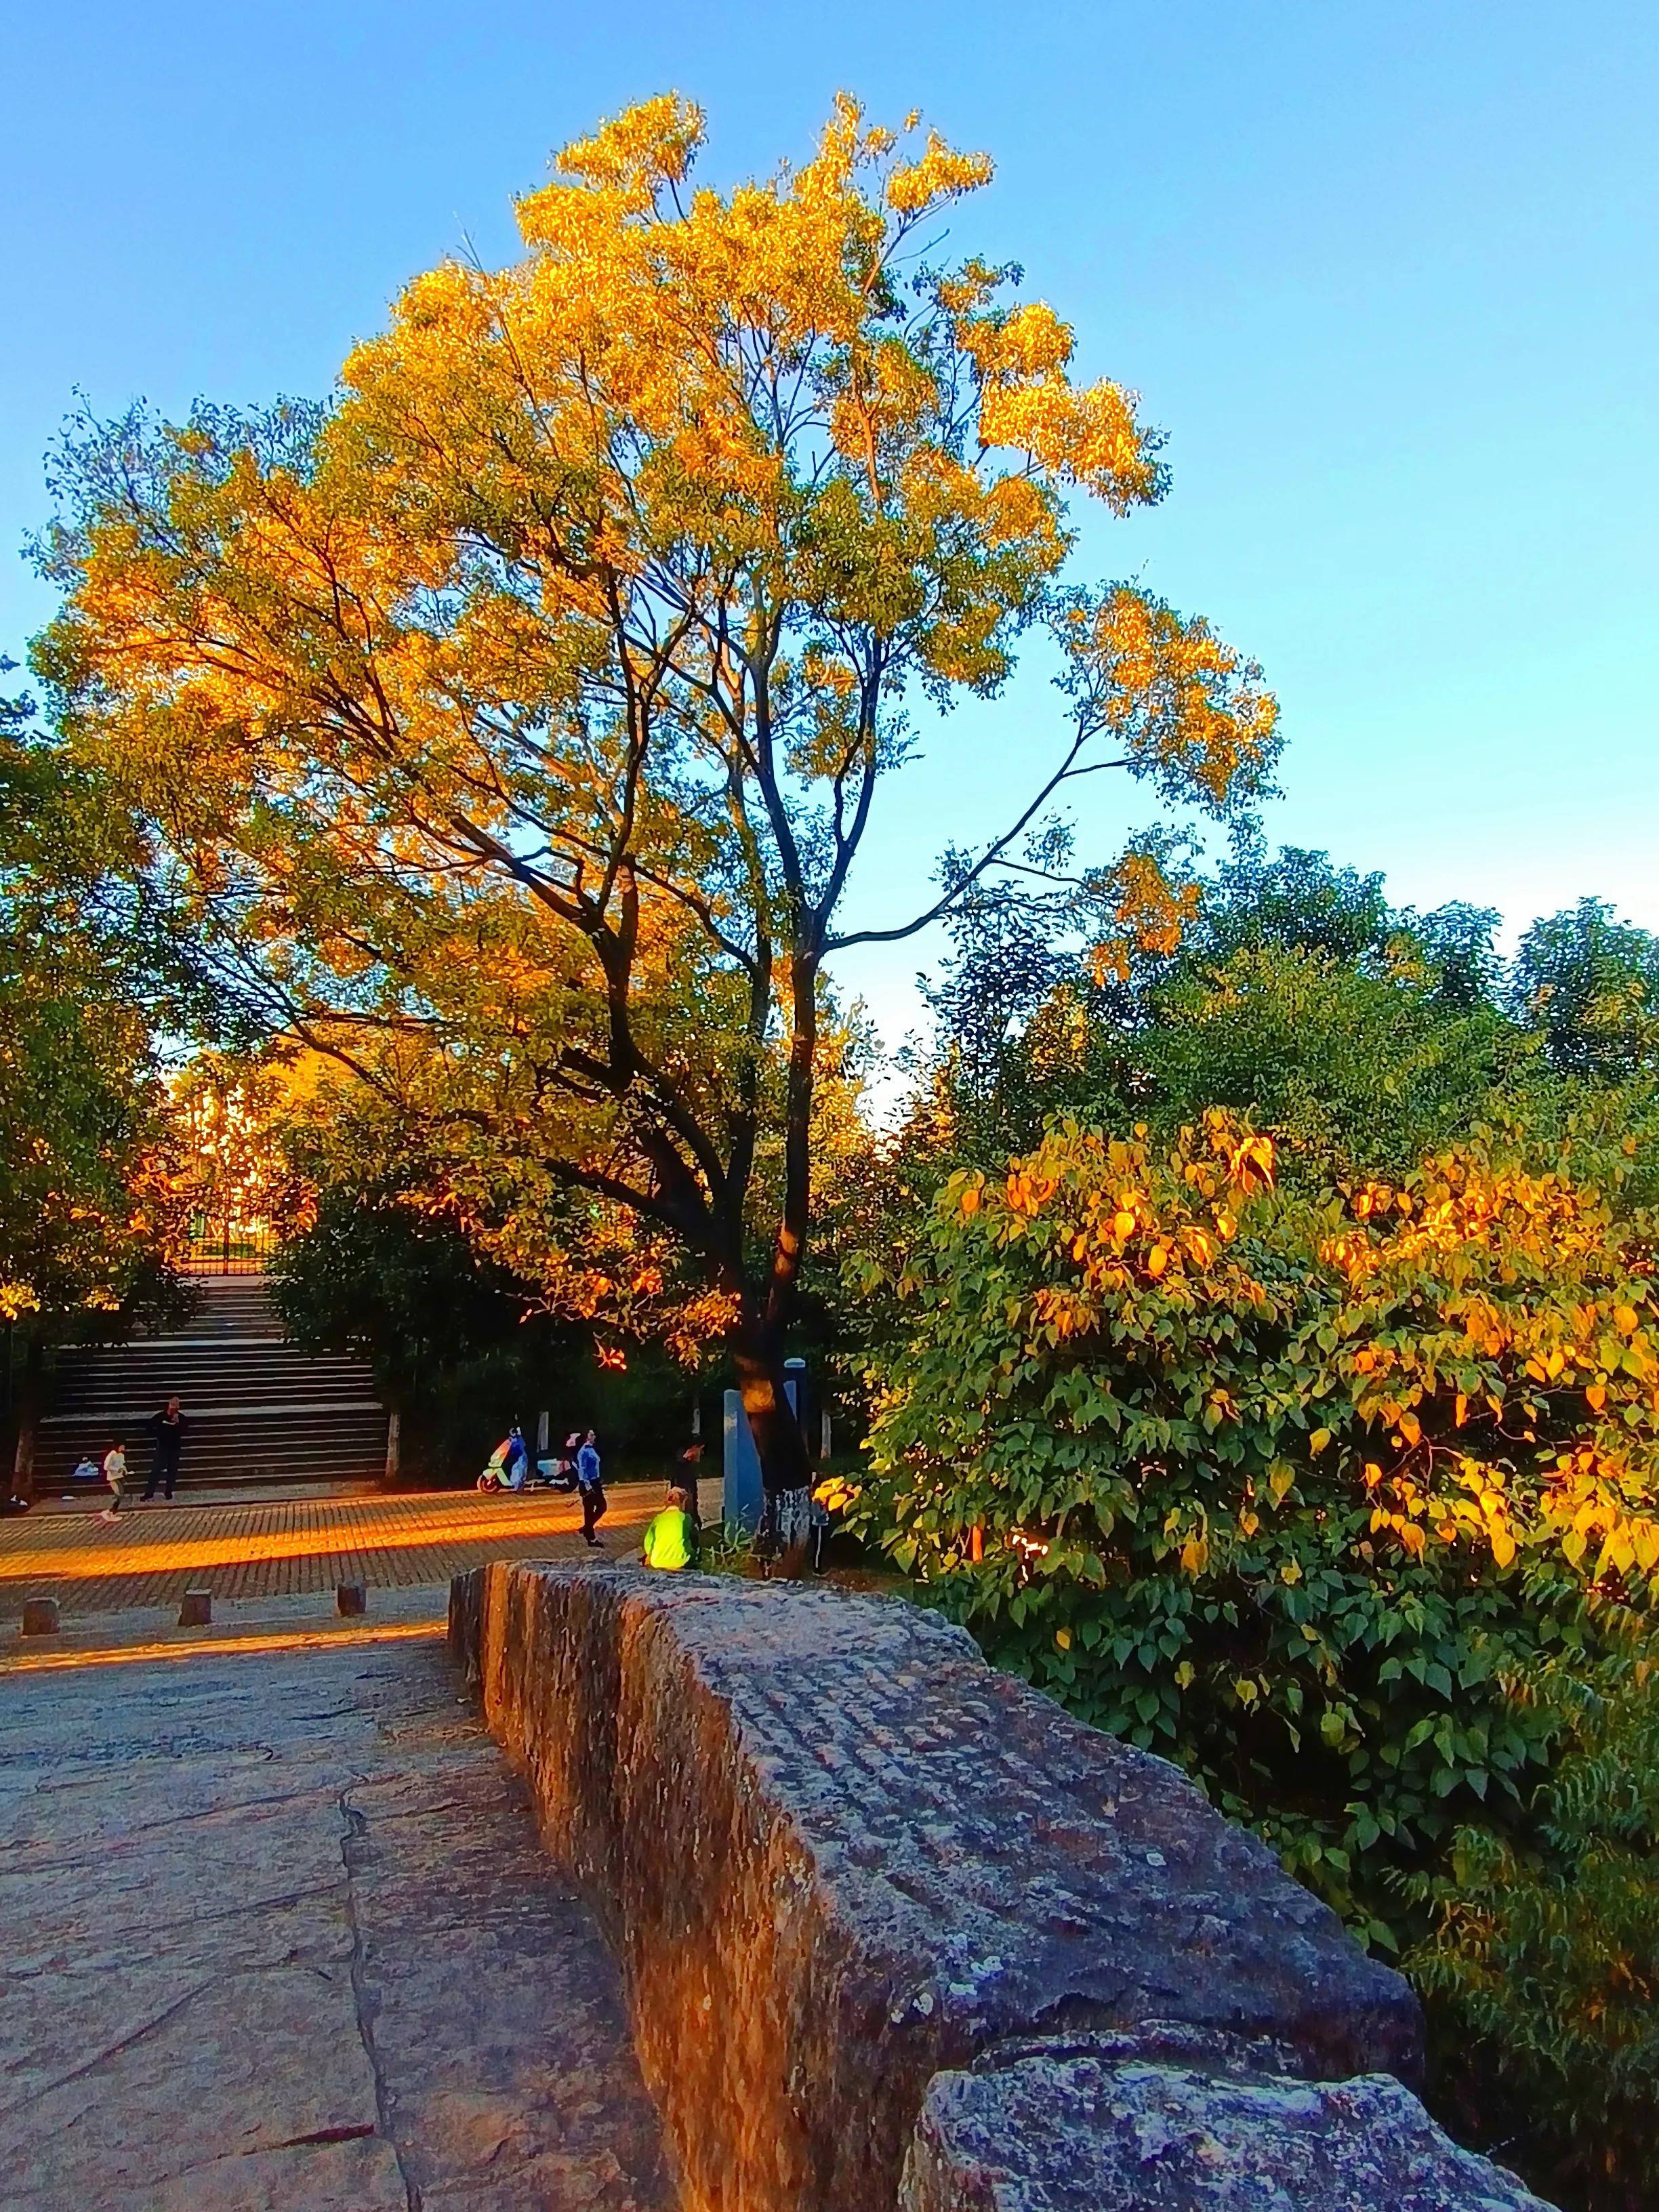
<point x="513" y="722"/>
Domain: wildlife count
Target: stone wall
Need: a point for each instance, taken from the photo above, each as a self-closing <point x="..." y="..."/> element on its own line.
<point x="896" y="1931"/>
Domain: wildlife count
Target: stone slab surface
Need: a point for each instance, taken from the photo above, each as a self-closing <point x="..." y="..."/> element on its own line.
<point x="1070" y="2131"/>
<point x="280" y="1937"/>
<point x="838" y="1853"/>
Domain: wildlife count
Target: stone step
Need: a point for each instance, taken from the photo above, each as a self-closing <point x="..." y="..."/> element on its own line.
<point x="260" y="1410"/>
<point x="233" y="1304"/>
<point x="134" y="1420"/>
<point x="137" y="1381"/>
<point x="89" y="1367"/>
<point x="208" y="1350"/>
<point x="303" y="1443"/>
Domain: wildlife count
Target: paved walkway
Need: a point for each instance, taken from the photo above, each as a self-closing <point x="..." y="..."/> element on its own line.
<point x="279" y="1937"/>
<point x="284" y="1546"/>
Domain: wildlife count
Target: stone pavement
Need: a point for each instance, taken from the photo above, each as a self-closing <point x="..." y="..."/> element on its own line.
<point x="282" y="1547"/>
<point x="280" y="1937"/>
<point x="283" y="1624"/>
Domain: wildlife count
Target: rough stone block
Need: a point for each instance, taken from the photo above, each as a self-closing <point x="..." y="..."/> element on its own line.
<point x="837" y="1854"/>
<point x="196" y="1609"/>
<point x="1135" y="2129"/>
<point x="351" y="1597"/>
<point x="41" y="1616"/>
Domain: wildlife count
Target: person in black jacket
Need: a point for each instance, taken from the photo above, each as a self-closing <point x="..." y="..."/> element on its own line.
<point x="683" y="1473"/>
<point x="168" y="1428"/>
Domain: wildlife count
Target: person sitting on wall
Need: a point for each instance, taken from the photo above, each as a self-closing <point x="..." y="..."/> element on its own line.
<point x="668" y="1535"/>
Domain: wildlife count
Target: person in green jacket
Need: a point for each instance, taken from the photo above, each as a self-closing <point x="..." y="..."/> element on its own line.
<point x="668" y="1539"/>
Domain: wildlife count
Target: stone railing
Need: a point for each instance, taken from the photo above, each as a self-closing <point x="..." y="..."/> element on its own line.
<point x="897" y="1932"/>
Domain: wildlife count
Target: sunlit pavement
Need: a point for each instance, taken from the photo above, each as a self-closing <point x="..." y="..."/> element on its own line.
<point x="281" y="1937"/>
<point x="240" y="1627"/>
<point x="282" y="1548"/>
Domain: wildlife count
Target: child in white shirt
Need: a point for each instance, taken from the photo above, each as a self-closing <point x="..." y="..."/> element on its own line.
<point x="115" y="1473"/>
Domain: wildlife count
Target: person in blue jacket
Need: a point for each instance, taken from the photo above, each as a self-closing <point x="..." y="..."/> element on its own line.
<point x="592" y="1488"/>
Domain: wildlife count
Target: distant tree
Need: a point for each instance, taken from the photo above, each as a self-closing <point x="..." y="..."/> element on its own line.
<point x="1361" y="1034"/>
<point x="1358" y="1067"/>
<point x="1008" y="959"/>
<point x="89" y="1223"/>
<point x="1021" y="1025"/>
<point x="1293" y="901"/>
<point x="513" y="724"/>
<point x="403" y="1289"/>
<point x="86" y="1219"/>
<point x="374" y="1264"/>
<point x="1458" y="943"/>
<point x="1591" y="985"/>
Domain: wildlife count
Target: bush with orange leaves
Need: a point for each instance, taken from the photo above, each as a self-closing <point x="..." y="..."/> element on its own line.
<point x="1295" y="1490"/>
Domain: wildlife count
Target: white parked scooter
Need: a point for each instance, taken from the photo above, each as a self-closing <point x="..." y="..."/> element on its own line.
<point x="508" y="1465"/>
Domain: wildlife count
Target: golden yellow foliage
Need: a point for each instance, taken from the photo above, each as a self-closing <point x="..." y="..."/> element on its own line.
<point x="519" y="717"/>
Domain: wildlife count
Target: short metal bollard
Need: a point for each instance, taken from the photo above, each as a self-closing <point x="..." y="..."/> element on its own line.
<point x="351" y="1597"/>
<point x="196" y="1609"/>
<point x="40" y="1616"/>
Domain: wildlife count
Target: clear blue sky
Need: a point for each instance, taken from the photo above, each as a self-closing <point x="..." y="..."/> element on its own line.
<point x="1387" y="275"/>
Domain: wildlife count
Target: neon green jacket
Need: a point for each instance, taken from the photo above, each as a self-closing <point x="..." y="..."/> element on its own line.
<point x="668" y="1540"/>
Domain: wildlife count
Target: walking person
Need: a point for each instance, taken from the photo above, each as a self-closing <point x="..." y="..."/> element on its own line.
<point x="114" y="1472"/>
<point x="167" y="1428"/>
<point x="592" y="1488"/>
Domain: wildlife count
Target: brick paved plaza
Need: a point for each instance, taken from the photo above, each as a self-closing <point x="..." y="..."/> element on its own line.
<point x="288" y="1546"/>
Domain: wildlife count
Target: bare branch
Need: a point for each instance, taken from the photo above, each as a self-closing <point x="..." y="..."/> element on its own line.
<point x="1066" y="772"/>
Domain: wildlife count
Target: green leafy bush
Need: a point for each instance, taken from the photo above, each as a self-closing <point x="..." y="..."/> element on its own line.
<point x="1293" y="1488"/>
<point x="1541" y="1970"/>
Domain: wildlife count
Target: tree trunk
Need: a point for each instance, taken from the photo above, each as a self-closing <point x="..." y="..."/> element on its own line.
<point x="757" y="1357"/>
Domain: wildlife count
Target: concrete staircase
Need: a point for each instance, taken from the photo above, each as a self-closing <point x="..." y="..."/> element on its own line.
<point x="260" y="1411"/>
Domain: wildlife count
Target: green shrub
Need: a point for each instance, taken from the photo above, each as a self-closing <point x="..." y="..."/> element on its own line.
<point x="1540" y="1973"/>
<point x="1292" y="1489"/>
